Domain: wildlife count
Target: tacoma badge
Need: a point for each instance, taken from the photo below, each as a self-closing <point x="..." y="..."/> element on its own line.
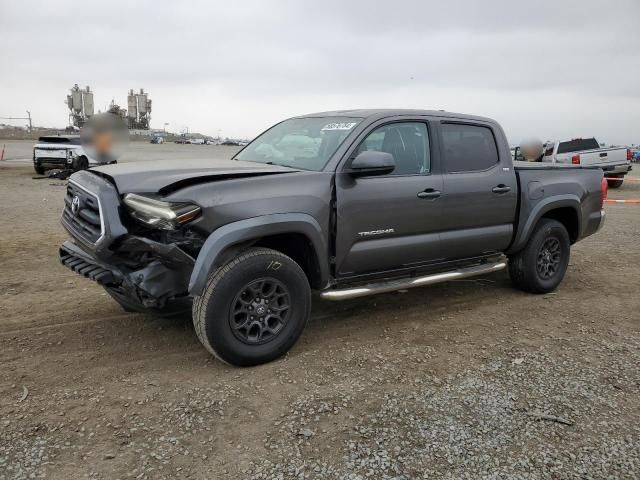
<point x="371" y="233"/>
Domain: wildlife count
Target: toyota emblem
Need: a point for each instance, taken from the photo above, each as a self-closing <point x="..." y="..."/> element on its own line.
<point x="75" y="205"/>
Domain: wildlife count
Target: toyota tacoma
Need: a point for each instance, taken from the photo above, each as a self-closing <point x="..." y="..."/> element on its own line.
<point x="346" y="203"/>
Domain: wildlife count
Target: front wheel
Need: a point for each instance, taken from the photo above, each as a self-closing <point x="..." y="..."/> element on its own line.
<point x="254" y="308"/>
<point x="541" y="265"/>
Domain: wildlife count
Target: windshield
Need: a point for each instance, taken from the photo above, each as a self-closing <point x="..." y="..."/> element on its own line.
<point x="304" y="143"/>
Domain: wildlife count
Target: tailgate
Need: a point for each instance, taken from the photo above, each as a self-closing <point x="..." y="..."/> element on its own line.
<point x="597" y="158"/>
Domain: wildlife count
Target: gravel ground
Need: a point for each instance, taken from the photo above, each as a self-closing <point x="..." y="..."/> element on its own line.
<point x="470" y="379"/>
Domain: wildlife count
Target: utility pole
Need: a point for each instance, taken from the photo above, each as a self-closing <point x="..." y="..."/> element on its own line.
<point x="29" y="116"/>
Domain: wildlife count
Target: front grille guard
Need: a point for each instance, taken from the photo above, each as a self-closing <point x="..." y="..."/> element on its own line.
<point x="83" y="213"/>
<point x="96" y="225"/>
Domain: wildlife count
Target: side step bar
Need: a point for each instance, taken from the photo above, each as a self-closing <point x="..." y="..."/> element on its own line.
<point x="394" y="285"/>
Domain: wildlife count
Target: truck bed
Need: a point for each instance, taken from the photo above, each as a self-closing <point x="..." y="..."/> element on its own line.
<point x="575" y="188"/>
<point x="520" y="165"/>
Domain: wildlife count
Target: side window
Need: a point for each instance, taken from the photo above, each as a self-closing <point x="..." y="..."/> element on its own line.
<point x="408" y="142"/>
<point x="548" y="150"/>
<point x="468" y="148"/>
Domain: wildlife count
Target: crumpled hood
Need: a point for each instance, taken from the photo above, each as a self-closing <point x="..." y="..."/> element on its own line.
<point x="165" y="176"/>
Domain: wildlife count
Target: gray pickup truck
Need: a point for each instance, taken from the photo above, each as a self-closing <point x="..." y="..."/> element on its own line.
<point x="346" y="203"/>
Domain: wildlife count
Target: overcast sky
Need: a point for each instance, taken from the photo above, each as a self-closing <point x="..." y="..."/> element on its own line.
<point x="551" y="69"/>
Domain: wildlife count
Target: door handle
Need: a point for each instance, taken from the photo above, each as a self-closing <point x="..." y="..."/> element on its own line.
<point x="429" y="193"/>
<point x="501" y="189"/>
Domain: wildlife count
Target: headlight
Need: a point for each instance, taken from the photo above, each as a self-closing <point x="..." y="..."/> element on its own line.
<point x="159" y="214"/>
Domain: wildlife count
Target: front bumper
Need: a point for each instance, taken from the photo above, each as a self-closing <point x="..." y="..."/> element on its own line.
<point x="146" y="285"/>
<point x="134" y="269"/>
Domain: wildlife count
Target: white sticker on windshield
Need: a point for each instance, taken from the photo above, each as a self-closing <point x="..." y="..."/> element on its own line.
<point x="340" y="126"/>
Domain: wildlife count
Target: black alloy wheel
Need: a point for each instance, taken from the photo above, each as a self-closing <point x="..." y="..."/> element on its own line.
<point x="260" y="311"/>
<point x="548" y="260"/>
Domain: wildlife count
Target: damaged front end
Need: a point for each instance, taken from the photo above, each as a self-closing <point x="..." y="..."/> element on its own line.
<point x="148" y="274"/>
<point x="140" y="267"/>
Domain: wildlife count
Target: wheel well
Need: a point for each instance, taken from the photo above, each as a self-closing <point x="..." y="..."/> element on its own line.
<point x="300" y="249"/>
<point x="294" y="245"/>
<point x="568" y="217"/>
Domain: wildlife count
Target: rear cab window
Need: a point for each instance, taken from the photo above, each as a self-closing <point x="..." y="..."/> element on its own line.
<point x="578" y="145"/>
<point x="468" y="148"/>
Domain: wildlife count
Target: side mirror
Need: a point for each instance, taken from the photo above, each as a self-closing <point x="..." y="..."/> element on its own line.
<point x="369" y="163"/>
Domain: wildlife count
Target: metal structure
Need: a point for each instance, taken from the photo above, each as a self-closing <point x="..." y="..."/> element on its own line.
<point x="116" y="110"/>
<point x="28" y="117"/>
<point x="80" y="103"/>
<point x="139" y="110"/>
<point x="137" y="113"/>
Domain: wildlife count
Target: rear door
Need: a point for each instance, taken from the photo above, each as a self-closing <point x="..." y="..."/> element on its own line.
<point x="391" y="221"/>
<point x="480" y="191"/>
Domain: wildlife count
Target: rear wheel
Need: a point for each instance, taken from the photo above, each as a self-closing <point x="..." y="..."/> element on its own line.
<point x="80" y="163"/>
<point x="541" y="265"/>
<point x="254" y="308"/>
<point x="39" y="169"/>
<point x="615" y="183"/>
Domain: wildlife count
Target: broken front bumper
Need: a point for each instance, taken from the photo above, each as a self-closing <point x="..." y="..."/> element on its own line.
<point x="147" y="285"/>
<point x="138" y="272"/>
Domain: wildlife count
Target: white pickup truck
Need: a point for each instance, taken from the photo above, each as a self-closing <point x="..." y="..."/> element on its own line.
<point x="615" y="162"/>
<point x="62" y="151"/>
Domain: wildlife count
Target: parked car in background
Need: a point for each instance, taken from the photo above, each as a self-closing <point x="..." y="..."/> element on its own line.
<point x="615" y="161"/>
<point x="381" y="200"/>
<point x="63" y="152"/>
<point x="157" y="139"/>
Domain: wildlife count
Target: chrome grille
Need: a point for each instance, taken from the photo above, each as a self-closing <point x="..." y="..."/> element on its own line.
<point x="85" y="217"/>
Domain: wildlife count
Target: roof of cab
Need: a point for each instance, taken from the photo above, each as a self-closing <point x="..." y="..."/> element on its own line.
<point x="395" y="112"/>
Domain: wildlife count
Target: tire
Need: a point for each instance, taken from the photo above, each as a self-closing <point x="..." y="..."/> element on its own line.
<point x="548" y="244"/>
<point x="226" y="316"/>
<point x="80" y="163"/>
<point x="39" y="169"/>
<point x="615" y="183"/>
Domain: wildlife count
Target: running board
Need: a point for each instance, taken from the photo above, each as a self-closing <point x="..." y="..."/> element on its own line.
<point x="394" y="285"/>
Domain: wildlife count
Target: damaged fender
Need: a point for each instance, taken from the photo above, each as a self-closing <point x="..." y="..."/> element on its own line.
<point x="209" y="257"/>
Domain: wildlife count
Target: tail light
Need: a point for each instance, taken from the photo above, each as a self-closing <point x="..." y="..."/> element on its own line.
<point x="575" y="160"/>
<point x="629" y="156"/>
<point x="604" y="189"/>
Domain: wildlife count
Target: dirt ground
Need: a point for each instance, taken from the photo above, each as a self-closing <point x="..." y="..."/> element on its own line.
<point x="470" y="379"/>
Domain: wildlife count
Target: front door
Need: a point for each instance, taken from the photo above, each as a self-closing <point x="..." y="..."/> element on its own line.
<point x="390" y="222"/>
